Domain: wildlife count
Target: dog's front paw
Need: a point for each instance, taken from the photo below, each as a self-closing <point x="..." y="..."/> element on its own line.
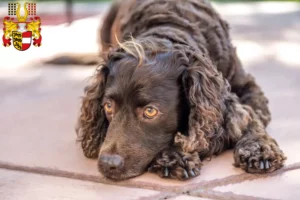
<point x="172" y="164"/>
<point x="258" y="156"/>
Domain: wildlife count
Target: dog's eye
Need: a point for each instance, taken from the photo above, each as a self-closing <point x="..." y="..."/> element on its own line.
<point x="108" y="108"/>
<point x="150" y="112"/>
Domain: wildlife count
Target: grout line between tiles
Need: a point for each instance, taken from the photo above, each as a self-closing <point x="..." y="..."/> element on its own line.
<point x="173" y="190"/>
<point x="82" y="177"/>
<point x="237" y="179"/>
<point x="160" y="196"/>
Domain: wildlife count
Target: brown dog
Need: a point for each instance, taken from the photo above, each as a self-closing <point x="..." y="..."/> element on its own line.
<point x="173" y="95"/>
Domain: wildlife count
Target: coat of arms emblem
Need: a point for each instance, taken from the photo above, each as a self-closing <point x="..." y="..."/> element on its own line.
<point x="23" y="32"/>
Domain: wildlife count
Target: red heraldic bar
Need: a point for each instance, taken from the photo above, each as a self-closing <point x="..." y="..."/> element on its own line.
<point x="26" y="40"/>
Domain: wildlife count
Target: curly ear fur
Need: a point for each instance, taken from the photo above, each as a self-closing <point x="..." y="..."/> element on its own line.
<point x="92" y="123"/>
<point x="205" y="88"/>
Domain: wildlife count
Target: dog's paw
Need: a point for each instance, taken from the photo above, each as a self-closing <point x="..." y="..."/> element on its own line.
<point x="172" y="164"/>
<point x="258" y="156"/>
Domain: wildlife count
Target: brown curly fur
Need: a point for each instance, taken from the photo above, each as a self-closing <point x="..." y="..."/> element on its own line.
<point x="92" y="124"/>
<point x="226" y="108"/>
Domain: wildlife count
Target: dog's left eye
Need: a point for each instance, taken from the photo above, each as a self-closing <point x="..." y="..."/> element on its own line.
<point x="108" y="108"/>
<point x="150" y="112"/>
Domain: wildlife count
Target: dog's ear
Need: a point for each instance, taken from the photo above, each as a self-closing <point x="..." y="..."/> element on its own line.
<point x="203" y="87"/>
<point x="92" y="123"/>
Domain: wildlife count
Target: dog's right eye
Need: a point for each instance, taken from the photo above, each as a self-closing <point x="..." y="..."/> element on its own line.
<point x="108" y="108"/>
<point x="150" y="112"/>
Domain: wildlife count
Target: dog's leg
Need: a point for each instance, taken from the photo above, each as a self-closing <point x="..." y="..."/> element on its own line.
<point x="173" y="163"/>
<point x="249" y="92"/>
<point x="255" y="151"/>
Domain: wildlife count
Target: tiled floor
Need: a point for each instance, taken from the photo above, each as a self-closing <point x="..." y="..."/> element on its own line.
<point x="27" y="186"/>
<point x="39" y="156"/>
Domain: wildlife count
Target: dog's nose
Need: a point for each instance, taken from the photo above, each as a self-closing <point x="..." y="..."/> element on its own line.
<point x="111" y="161"/>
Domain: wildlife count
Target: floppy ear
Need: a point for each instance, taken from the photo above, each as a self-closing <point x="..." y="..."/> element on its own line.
<point x="203" y="86"/>
<point x="92" y="123"/>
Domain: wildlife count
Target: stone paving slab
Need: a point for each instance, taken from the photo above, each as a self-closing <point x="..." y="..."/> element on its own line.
<point x="283" y="186"/>
<point x="39" y="105"/>
<point x="25" y="186"/>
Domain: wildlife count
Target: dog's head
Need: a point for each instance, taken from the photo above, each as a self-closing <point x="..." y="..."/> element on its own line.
<point x="140" y="98"/>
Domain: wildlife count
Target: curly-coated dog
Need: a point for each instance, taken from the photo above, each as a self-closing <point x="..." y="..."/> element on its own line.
<point x="171" y="92"/>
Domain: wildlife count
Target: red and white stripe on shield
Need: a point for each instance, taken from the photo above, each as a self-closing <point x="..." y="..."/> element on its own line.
<point x="26" y="40"/>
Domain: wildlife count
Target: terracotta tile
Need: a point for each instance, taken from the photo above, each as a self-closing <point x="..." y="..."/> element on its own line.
<point x="27" y="186"/>
<point x="38" y="117"/>
<point x="284" y="186"/>
<point x="284" y="99"/>
<point x="285" y="124"/>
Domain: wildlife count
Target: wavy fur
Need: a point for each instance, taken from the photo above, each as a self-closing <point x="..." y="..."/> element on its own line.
<point x="225" y="107"/>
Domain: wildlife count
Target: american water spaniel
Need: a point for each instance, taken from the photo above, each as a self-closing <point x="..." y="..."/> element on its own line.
<point x="171" y="92"/>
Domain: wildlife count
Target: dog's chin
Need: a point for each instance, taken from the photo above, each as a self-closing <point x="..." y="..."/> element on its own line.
<point x="119" y="175"/>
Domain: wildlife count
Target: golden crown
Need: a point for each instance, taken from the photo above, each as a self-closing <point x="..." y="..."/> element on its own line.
<point x="24" y="17"/>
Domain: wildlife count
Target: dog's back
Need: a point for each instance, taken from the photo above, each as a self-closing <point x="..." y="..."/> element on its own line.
<point x="191" y="22"/>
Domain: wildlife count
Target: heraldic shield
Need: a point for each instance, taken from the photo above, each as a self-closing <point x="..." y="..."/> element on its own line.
<point x="22" y="40"/>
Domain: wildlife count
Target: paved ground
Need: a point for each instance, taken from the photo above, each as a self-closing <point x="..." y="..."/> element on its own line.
<point x="54" y="13"/>
<point x="39" y="157"/>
